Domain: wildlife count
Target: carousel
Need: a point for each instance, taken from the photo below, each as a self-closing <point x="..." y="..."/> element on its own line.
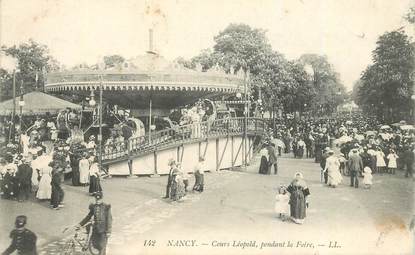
<point x="151" y="90"/>
<point x="146" y="83"/>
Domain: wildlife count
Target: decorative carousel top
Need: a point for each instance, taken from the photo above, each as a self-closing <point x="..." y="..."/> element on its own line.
<point x="146" y="72"/>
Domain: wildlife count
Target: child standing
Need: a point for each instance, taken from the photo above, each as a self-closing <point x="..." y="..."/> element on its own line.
<point x="392" y="165"/>
<point x="367" y="177"/>
<point x="281" y="203"/>
<point x="380" y="160"/>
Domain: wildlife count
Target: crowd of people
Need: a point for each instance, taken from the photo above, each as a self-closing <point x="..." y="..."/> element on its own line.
<point x="388" y="147"/>
<point x="353" y="145"/>
<point x="36" y="165"/>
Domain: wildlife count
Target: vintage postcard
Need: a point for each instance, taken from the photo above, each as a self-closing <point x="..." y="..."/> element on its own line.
<point x="207" y="127"/>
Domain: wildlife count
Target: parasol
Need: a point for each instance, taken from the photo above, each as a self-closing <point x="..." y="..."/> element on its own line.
<point x="359" y="137"/>
<point x="343" y="139"/>
<point x="407" y="127"/>
<point x="385" y="127"/>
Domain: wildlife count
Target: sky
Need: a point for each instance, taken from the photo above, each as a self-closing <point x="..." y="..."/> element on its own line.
<point x="83" y="31"/>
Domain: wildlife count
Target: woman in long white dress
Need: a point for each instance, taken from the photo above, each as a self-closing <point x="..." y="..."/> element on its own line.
<point x="45" y="188"/>
<point x="333" y="170"/>
<point x="84" y="170"/>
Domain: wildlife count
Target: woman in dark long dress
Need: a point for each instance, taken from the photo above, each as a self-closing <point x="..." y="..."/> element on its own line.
<point x="263" y="167"/>
<point x="298" y="193"/>
<point x="74" y="161"/>
<point x="177" y="190"/>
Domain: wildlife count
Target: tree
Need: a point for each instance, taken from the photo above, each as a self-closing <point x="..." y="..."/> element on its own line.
<point x="112" y="61"/>
<point x="271" y="80"/>
<point x="410" y="16"/>
<point x="33" y="61"/>
<point x="206" y="59"/>
<point x="329" y="91"/>
<point x="284" y="84"/>
<point x="387" y="84"/>
<point x="185" y="63"/>
<point x="240" y="46"/>
<point x="300" y="89"/>
<point x="6" y="80"/>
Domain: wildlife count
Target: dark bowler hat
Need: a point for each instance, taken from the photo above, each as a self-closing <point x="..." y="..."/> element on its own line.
<point x="98" y="195"/>
<point x="21" y="221"/>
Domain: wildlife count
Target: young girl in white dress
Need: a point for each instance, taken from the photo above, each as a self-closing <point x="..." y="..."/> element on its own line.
<point x="281" y="203"/>
<point x="392" y="165"/>
<point x="367" y="177"/>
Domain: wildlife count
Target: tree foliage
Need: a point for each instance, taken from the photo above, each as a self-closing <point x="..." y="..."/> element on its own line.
<point x="284" y="84"/>
<point x="34" y="61"/>
<point x="326" y="83"/>
<point x="387" y="84"/>
<point x="240" y="46"/>
<point x="206" y="60"/>
<point x="410" y="16"/>
<point x="112" y="61"/>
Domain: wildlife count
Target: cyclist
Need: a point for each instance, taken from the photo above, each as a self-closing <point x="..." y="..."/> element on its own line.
<point x="23" y="240"/>
<point x="102" y="223"/>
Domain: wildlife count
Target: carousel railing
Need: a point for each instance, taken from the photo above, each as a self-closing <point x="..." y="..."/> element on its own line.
<point x="179" y="135"/>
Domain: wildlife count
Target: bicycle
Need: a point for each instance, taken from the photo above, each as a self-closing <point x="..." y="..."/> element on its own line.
<point x="82" y="239"/>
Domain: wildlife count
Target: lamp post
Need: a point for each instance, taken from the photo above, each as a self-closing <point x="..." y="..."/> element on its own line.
<point x="413" y="107"/>
<point x="381" y="109"/>
<point x="12" y="124"/>
<point x="21" y="104"/>
<point x="93" y="103"/>
<point x="100" y="125"/>
<point x="245" y="117"/>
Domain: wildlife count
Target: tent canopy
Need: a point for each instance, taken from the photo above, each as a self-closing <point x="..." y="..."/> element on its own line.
<point x="36" y="103"/>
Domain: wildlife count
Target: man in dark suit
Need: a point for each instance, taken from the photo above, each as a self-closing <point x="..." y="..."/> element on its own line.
<point x="323" y="158"/>
<point x="408" y="158"/>
<point x="172" y="165"/>
<point x="23" y="240"/>
<point x="355" y="167"/>
<point x="24" y="180"/>
<point x="57" y="191"/>
<point x="272" y="158"/>
<point x="367" y="161"/>
<point x="102" y="223"/>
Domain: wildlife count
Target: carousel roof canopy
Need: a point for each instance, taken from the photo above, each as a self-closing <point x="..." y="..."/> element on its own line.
<point x="37" y="103"/>
<point x="149" y="76"/>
